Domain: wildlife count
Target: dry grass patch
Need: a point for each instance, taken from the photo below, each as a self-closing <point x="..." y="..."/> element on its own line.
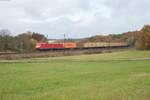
<point x="141" y="75"/>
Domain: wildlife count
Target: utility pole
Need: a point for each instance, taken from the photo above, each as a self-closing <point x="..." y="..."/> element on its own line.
<point x="47" y="38"/>
<point x="64" y="37"/>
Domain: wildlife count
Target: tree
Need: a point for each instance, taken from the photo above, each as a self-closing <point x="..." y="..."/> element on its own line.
<point x="39" y="37"/>
<point x="143" y="41"/>
<point x="4" y="39"/>
<point x="34" y="42"/>
<point x="4" y="32"/>
<point x="147" y="40"/>
<point x="24" y="42"/>
<point x="139" y="42"/>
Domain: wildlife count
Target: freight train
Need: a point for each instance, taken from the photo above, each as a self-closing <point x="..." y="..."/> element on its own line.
<point x="73" y="45"/>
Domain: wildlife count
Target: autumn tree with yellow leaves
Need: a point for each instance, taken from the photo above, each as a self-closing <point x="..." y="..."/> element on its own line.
<point x="143" y="41"/>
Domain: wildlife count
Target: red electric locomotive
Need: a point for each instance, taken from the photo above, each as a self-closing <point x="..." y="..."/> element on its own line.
<point x="45" y="46"/>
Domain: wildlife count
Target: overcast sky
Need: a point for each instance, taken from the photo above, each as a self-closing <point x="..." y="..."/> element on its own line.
<point x="75" y="18"/>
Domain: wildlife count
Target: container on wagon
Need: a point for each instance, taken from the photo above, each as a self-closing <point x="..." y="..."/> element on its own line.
<point x="69" y="44"/>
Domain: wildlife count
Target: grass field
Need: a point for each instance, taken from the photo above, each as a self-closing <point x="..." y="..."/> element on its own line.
<point x="131" y="54"/>
<point x="78" y="78"/>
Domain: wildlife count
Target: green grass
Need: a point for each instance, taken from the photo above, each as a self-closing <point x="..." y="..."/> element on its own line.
<point x="104" y="56"/>
<point x="65" y="79"/>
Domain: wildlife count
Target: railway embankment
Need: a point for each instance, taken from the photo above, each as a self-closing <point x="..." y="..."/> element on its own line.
<point x="44" y="54"/>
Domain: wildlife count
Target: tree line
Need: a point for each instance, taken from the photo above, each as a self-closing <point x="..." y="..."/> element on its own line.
<point x="140" y="39"/>
<point x="22" y="43"/>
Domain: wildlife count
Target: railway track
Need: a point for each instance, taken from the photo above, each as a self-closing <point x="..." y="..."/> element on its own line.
<point x="65" y="49"/>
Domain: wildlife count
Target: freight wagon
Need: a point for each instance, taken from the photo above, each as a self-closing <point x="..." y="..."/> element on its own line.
<point x="103" y="44"/>
<point x="69" y="45"/>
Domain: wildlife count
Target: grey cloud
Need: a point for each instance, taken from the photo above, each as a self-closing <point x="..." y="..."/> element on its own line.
<point x="76" y="18"/>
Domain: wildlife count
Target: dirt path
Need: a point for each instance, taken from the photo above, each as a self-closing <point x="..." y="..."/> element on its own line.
<point x="28" y="61"/>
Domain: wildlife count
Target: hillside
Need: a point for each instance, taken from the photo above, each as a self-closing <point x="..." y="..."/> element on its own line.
<point x="129" y="37"/>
